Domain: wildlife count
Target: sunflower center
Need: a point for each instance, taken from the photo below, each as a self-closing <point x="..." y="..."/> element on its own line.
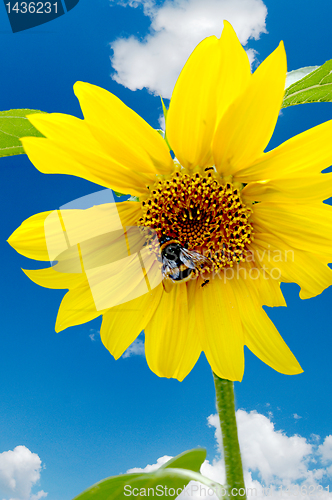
<point x="202" y="214"/>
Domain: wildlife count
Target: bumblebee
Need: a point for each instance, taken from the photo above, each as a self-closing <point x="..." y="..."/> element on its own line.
<point x="178" y="263"/>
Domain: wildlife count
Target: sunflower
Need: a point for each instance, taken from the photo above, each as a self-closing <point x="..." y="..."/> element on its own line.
<point x="257" y="218"/>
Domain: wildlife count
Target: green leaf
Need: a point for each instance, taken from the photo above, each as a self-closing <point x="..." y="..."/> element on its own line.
<point x="190" y="460"/>
<point x="315" y="87"/>
<point x="174" y="474"/>
<point x="13" y="125"/>
<point x="297" y="74"/>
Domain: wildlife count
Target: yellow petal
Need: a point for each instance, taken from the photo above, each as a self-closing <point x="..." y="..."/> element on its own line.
<point x="54" y="235"/>
<point x="269" y="293"/>
<point x="29" y="238"/>
<point x="89" y="223"/>
<point x="122" y="324"/>
<point x="290" y="189"/>
<point x="171" y="342"/>
<point x="247" y="126"/>
<point x="105" y="251"/>
<point x="234" y="73"/>
<point x="291" y="265"/>
<point x="261" y="336"/>
<point x="306" y="227"/>
<point x="77" y="307"/>
<point x="305" y="154"/>
<point x="129" y="212"/>
<point x="191" y="117"/>
<point x="214" y="75"/>
<point x="266" y="289"/>
<point x="123" y="134"/>
<point x="51" y="278"/>
<point x="118" y="282"/>
<point x="219" y="327"/>
<point x="72" y="150"/>
<point x="95" y="240"/>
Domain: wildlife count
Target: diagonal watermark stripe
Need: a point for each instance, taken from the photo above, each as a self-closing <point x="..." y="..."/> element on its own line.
<point x="28" y="14"/>
<point x="87" y="236"/>
<point x="70" y="4"/>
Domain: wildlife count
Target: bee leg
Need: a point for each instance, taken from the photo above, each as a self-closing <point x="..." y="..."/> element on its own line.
<point x="167" y="284"/>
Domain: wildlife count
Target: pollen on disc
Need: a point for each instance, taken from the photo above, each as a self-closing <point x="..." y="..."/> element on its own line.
<point x="202" y="214"/>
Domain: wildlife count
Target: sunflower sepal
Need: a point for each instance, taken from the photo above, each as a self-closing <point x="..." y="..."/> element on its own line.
<point x="119" y="194"/>
<point x="160" y="131"/>
<point x="131" y="198"/>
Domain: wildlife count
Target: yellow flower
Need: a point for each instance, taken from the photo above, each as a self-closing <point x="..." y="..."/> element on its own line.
<point x="257" y="217"/>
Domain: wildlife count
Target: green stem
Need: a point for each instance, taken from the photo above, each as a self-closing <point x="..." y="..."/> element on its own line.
<point x="232" y="455"/>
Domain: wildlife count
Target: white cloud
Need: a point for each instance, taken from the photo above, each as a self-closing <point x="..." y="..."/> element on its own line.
<point x="176" y="28"/>
<point x="273" y="455"/>
<point x="325" y="449"/>
<point x="296" y="416"/>
<point x="40" y="494"/>
<point x="94" y="334"/>
<point x="135" y="349"/>
<point x="161" y="121"/>
<point x="149" y="468"/>
<point x="19" y="472"/>
<point x="271" y="459"/>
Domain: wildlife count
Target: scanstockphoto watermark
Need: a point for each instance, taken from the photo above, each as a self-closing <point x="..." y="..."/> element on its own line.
<point x="196" y="490"/>
<point x="264" y="263"/>
<point x="238" y="272"/>
<point x="161" y="490"/>
<point x="193" y="490"/>
<point x="267" y="264"/>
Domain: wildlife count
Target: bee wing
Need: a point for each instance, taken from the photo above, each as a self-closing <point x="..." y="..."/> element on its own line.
<point x="187" y="260"/>
<point x="170" y="264"/>
<point x="170" y="268"/>
<point x="196" y="258"/>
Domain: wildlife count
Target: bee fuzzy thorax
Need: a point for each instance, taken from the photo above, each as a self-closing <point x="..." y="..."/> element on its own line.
<point x="166" y="242"/>
<point x="200" y="221"/>
<point x="180" y="264"/>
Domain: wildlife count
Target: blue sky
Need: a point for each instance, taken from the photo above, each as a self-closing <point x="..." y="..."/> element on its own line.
<point x="63" y="396"/>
